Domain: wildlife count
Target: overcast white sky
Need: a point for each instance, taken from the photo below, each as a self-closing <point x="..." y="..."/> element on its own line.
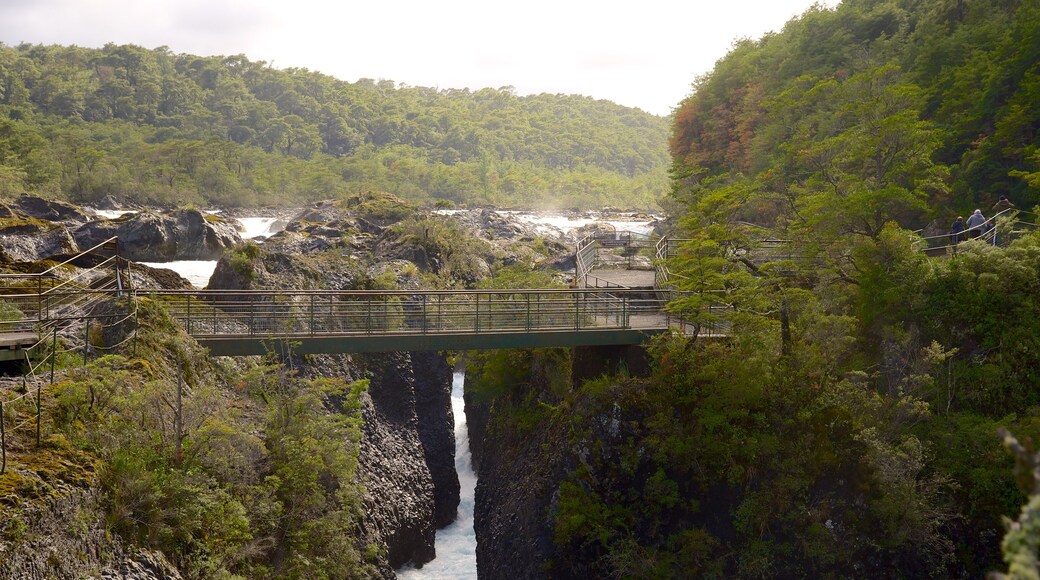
<point x="644" y="53"/>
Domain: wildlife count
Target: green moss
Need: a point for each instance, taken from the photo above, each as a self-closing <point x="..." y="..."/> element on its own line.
<point x="243" y="260"/>
<point x="25" y="225"/>
<point x="378" y="207"/>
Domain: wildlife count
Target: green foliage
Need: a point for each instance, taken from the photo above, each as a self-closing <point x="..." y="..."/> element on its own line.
<point x="244" y="258"/>
<point x="878" y="105"/>
<point x="259" y="484"/>
<point x="9" y="313"/>
<point x="157" y="127"/>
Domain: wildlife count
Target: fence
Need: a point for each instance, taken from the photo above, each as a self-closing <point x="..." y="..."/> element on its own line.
<point x="48" y="314"/>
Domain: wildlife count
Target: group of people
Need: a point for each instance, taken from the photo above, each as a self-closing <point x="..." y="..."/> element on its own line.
<point x="976" y="224"/>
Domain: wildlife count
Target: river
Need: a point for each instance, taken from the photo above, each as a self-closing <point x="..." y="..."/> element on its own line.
<point x="198" y="272"/>
<point x="456" y="544"/>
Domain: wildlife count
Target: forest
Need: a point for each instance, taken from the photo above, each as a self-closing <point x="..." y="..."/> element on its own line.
<point x="871" y="411"/>
<point x="150" y="126"/>
<point x="852" y="422"/>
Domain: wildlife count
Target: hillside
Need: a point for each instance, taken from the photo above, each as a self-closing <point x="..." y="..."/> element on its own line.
<point x="157" y="127"/>
<point x="851" y="423"/>
<point x="934" y="102"/>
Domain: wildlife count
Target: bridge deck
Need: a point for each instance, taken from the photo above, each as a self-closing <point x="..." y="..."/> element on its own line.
<point x="607" y="278"/>
<point x="13" y="344"/>
<point x="416" y="341"/>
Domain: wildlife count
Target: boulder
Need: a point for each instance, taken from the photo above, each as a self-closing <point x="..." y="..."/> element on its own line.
<point x="45" y="209"/>
<point x="31" y="240"/>
<point x="185" y="234"/>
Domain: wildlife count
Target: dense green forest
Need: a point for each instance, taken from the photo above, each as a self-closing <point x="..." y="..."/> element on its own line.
<point x="876" y="110"/>
<point x="848" y="425"/>
<point x="156" y="127"/>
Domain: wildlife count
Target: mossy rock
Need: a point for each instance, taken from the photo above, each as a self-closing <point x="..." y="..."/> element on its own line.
<point x="24" y="225"/>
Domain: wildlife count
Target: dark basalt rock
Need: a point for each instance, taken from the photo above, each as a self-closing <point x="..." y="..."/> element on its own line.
<point x="32" y="240"/>
<point x="437" y="431"/>
<point x="392" y="465"/>
<point x="517" y="480"/>
<point x="150" y="237"/>
<point x="45" y="209"/>
<point x="67" y="538"/>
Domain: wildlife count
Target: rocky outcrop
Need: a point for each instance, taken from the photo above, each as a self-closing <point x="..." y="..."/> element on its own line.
<point x="142" y="276"/>
<point x="436" y="424"/>
<point x="185" y="234"/>
<point x="399" y="506"/>
<point x="31" y="240"/>
<point x="67" y="539"/>
<point x="142" y="566"/>
<point x="518" y="477"/>
<point x="46" y="209"/>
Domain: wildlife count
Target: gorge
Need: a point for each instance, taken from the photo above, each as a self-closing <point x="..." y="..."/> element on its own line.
<point x="406" y="453"/>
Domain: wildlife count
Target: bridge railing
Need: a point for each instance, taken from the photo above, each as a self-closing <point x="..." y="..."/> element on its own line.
<point x="590" y="249"/>
<point x="262" y="313"/>
<point x="998" y="230"/>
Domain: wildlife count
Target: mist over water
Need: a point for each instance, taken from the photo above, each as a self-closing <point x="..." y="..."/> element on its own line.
<point x="254" y="227"/>
<point x="456" y="544"/>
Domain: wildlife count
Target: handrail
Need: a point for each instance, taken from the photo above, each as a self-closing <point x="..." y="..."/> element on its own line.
<point x="47" y="273"/>
<point x="925" y="243"/>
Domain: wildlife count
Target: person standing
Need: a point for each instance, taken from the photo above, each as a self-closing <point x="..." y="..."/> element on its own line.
<point x="975" y="223"/>
<point x="957" y="231"/>
<point x="1002" y="204"/>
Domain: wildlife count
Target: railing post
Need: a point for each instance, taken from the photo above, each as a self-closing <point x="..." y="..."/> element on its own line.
<point x="476" y="316"/>
<point x="577" y="313"/>
<point x="188" y="315"/>
<point x="368" y="317"/>
<point x="86" y="339"/>
<point x="424" y="313"/>
<point x="252" y="315"/>
<point x="54" y="350"/>
<point x="38" y="406"/>
<point x="312" y="315"/>
<point x="528" y="296"/>
<point x="3" y="441"/>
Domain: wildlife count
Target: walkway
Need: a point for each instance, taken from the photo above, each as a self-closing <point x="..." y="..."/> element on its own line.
<point x="236" y="323"/>
<point x="609" y="306"/>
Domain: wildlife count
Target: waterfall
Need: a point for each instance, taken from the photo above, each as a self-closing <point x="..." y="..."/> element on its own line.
<point x="456" y="544"/>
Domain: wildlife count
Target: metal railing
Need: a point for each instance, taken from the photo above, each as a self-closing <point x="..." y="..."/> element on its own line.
<point x="304" y="313"/>
<point x="999" y="230"/>
<point x="589" y="250"/>
<point x="41" y="314"/>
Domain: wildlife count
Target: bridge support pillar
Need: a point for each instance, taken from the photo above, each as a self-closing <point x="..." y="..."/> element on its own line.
<point x="589" y="362"/>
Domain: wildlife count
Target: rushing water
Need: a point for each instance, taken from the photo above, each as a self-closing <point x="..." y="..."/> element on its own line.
<point x="254" y="227"/>
<point x="568" y="224"/>
<point x="198" y="272"/>
<point x="456" y="544"/>
<point x="195" y="271"/>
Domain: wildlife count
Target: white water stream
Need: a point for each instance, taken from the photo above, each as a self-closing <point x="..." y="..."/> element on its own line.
<point x="456" y="544"/>
<point x="198" y="272"/>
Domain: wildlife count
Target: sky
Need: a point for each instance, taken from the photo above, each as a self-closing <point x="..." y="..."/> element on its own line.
<point x="643" y="53"/>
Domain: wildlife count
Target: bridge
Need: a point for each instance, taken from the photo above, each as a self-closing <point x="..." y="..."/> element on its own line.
<point x="238" y="323"/>
<point x="615" y="301"/>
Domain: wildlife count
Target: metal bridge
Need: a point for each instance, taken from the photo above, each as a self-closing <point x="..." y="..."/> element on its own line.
<point x="237" y="323"/>
<point x="62" y="302"/>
